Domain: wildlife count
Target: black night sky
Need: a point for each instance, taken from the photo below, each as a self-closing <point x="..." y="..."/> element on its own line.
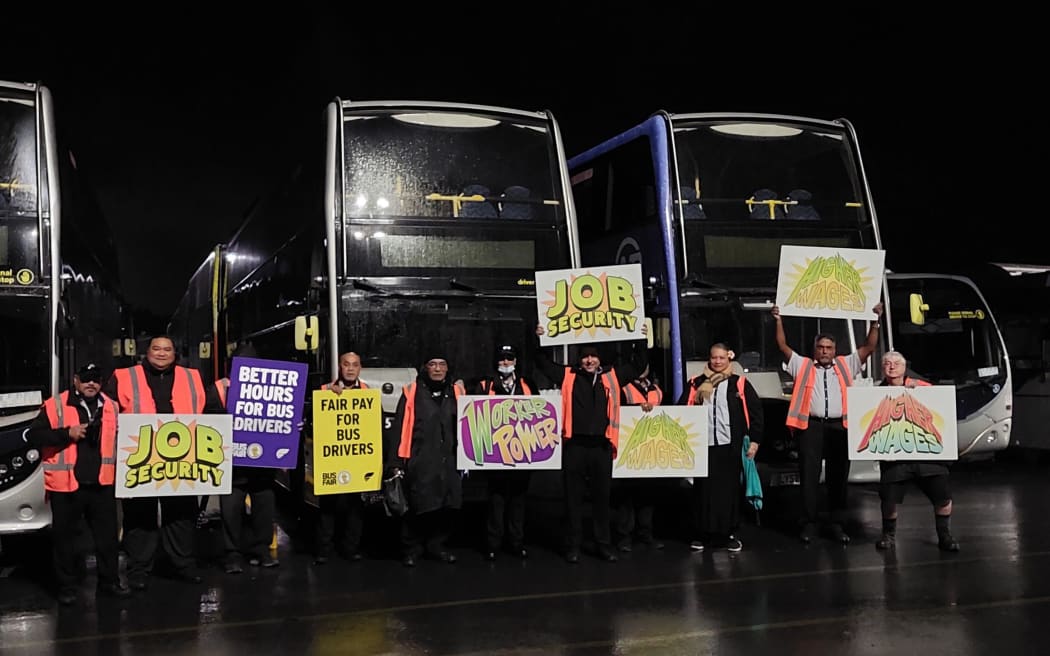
<point x="182" y="119"/>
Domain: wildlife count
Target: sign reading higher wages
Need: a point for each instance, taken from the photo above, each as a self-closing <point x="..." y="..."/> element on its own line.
<point x="266" y="400"/>
<point x="347" y="441"/>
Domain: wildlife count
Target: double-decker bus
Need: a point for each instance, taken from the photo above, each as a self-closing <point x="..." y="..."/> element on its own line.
<point x="705" y="201"/>
<point x="410" y="226"/>
<point x="60" y="304"/>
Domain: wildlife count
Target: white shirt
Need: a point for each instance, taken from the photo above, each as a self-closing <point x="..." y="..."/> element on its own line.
<point x="718" y="416"/>
<point x="826" y="402"/>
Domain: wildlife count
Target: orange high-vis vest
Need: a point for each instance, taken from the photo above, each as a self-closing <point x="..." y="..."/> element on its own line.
<point x="134" y="395"/>
<point x="489" y="386"/>
<point x="802" y="394"/>
<point x="59" y="463"/>
<point x="360" y="385"/>
<point x="612" y="394"/>
<point x="739" y="390"/>
<point x="404" y="449"/>
<point x="654" y="396"/>
<point x="221" y="386"/>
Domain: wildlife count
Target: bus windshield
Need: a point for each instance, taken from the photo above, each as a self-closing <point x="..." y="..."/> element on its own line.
<point x="451" y="193"/>
<point x="958" y="343"/>
<point x="19" y="242"/>
<point x="747" y="188"/>
<point x="24" y="364"/>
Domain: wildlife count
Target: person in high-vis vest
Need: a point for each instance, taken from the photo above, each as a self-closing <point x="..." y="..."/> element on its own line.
<point x="340" y="517"/>
<point x="245" y="535"/>
<point x="817" y="415"/>
<point x="424" y="443"/>
<point x="76" y="432"/>
<point x="733" y="411"/>
<point x="159" y="386"/>
<point x="931" y="476"/>
<point x="590" y="399"/>
<point x="507" y="490"/>
<point x="634" y="499"/>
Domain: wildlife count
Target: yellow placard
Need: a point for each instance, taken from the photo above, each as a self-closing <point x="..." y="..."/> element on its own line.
<point x="347" y="441"/>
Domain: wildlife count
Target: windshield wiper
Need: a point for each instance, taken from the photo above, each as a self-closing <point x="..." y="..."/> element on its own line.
<point x="463" y="287"/>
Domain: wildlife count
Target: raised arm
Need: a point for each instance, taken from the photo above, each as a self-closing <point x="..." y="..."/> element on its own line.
<point x="552" y="370"/>
<point x="786" y="350"/>
<point x="868" y="347"/>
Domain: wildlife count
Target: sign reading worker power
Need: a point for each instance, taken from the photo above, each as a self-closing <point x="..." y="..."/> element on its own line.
<point x="266" y="400"/>
<point x="599" y="304"/>
<point x="173" y="455"/>
<point x="838" y="283"/>
<point x="668" y="441"/>
<point x="902" y="423"/>
<point x="509" y="432"/>
<point x="347" y="441"/>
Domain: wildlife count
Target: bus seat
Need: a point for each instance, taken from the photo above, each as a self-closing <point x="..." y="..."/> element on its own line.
<point x="477" y="210"/>
<point x="803" y="210"/>
<point x="691" y="207"/>
<point x="515" y="210"/>
<point x="759" y="208"/>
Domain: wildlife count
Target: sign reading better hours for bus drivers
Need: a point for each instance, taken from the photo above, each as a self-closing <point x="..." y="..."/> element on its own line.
<point x="596" y="304"/>
<point x="347" y="441"/>
<point x="266" y="400"/>
<point x="173" y="455"/>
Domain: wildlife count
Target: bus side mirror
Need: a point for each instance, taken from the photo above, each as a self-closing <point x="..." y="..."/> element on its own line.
<point x="306" y="333"/>
<point x="129" y="346"/>
<point x="918" y="308"/>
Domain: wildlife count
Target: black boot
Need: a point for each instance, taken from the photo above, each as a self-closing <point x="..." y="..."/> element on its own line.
<point x="889" y="535"/>
<point x="945" y="541"/>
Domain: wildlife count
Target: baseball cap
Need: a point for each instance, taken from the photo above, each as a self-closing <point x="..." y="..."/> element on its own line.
<point x="90" y="373"/>
<point x="506" y="352"/>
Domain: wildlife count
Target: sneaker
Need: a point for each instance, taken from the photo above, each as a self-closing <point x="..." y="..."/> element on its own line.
<point x="696" y="545"/>
<point x="606" y="554"/>
<point x="624" y="545"/>
<point x="947" y="543"/>
<point x="264" y="561"/>
<point x="233" y="566"/>
<point x="114" y="590"/>
<point x="887" y="541"/>
<point x="839" y="535"/>
<point x="809" y="532"/>
<point x="734" y="545"/>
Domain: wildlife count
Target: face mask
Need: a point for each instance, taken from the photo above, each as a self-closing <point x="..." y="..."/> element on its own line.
<point x="506" y="370"/>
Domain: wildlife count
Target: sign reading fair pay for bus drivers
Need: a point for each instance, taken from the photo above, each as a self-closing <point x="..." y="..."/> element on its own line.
<point x="596" y="304"/>
<point x="348" y="441"/>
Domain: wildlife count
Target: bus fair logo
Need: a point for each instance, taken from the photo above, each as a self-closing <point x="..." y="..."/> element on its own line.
<point x="830" y="283"/>
<point x="509" y="431"/>
<point x="174" y="452"/>
<point x="589" y="303"/>
<point x="657" y="441"/>
<point x="901" y="424"/>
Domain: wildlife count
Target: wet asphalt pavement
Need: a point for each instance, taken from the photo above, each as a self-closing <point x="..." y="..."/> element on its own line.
<point x="776" y="596"/>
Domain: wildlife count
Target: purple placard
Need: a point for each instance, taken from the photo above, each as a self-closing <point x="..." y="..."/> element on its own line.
<point x="266" y="400"/>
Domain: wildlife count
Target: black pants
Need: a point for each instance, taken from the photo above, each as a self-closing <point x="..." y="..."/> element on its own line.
<point x="429" y="531"/>
<point x="506" y="507"/>
<point x="253" y="537"/>
<point x="97" y="505"/>
<point x="340" y="522"/>
<point x="823" y="441"/>
<point x="178" y="524"/>
<point x="587" y="467"/>
<point x="634" y="500"/>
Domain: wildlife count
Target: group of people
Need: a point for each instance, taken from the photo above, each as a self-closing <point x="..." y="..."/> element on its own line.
<point x="77" y="434"/>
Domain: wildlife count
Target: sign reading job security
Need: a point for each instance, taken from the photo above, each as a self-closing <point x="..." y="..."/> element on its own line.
<point x="601" y="304"/>
<point x="902" y="423"/>
<point x="668" y="441"/>
<point x="509" y="432"/>
<point x="347" y="441"/>
<point x="173" y="455"/>
<point x="838" y="283"/>
<point x="266" y="400"/>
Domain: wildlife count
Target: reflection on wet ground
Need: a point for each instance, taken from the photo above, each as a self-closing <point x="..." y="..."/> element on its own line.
<point x="776" y="596"/>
